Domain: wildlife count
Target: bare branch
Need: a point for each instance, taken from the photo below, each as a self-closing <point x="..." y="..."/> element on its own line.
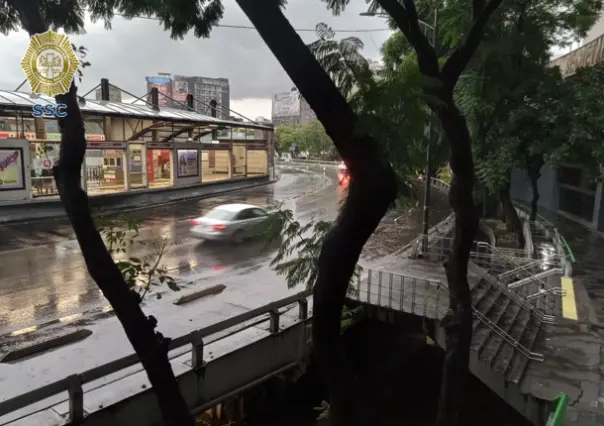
<point x="461" y="56"/>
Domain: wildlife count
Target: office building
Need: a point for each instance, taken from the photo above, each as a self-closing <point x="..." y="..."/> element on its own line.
<point x="203" y="89"/>
<point x="306" y="114"/>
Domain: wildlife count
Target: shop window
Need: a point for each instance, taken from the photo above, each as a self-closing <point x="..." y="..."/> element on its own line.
<point x="238" y="160"/>
<point x="105" y="171"/>
<point x="215" y="165"/>
<point x="257" y="162"/>
<point x="136" y="168"/>
<point x="159" y="168"/>
<point x="93" y="127"/>
<point x="43" y="156"/>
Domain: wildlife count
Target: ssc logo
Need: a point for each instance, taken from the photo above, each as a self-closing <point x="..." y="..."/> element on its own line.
<point x="50" y="63"/>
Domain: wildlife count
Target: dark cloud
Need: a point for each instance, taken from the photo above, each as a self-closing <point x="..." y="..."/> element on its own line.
<point x="136" y="48"/>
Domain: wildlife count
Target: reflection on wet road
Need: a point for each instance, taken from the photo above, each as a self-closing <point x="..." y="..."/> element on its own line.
<point x="43" y="276"/>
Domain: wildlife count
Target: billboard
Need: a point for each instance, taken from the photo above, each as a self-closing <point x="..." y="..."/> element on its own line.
<point x="164" y="86"/>
<point x="12" y="172"/>
<point x="180" y="88"/>
<point x="286" y="104"/>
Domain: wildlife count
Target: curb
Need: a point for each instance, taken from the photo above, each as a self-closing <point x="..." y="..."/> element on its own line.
<point x="47" y="345"/>
<point x="208" y="291"/>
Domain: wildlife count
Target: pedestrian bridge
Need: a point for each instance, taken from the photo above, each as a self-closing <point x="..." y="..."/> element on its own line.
<point x="514" y="297"/>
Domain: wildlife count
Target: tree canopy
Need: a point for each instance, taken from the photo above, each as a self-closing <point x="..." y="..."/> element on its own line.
<point x="310" y="137"/>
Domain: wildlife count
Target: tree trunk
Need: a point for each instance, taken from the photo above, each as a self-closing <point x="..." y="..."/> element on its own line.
<point x="533" y="169"/>
<point x="458" y="322"/>
<point x="513" y="220"/>
<point x="372" y="190"/>
<point x="150" y="346"/>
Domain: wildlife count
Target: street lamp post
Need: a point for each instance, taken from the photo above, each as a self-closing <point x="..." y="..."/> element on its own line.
<point x="427" y="177"/>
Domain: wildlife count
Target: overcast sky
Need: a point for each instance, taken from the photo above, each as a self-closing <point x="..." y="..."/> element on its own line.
<point x="134" y="49"/>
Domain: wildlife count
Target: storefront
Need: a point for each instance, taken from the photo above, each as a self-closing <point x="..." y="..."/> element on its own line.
<point x="105" y="168"/>
<point x="257" y="159"/>
<point x="216" y="162"/>
<point x="160" y="173"/>
<point x="135" y="149"/>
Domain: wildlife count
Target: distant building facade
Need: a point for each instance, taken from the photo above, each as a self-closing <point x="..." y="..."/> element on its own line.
<point x="306" y="113"/>
<point x="115" y="94"/>
<point x="290" y="108"/>
<point x="203" y="89"/>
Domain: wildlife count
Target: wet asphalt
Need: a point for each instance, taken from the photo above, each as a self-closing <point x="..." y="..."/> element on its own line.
<point x="44" y="281"/>
<point x="43" y="276"/>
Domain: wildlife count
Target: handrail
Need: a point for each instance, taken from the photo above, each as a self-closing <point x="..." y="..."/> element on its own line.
<point x="536" y="313"/>
<point x="504" y="335"/>
<point x="568" y="252"/>
<point x="558" y="415"/>
<point x="194" y="338"/>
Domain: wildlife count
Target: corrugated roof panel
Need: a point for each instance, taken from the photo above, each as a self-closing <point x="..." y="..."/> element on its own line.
<point x="22" y="99"/>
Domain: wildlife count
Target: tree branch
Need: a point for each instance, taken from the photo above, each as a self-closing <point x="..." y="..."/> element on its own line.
<point x="408" y="22"/>
<point x="460" y="57"/>
<point x="151" y="347"/>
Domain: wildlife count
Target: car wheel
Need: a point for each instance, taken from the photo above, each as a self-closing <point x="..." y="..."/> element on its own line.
<point x="238" y="237"/>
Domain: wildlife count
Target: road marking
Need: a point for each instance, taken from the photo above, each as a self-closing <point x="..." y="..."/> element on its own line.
<point x="569" y="303"/>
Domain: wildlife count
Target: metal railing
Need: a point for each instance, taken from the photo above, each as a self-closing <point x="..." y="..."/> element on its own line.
<point x="482" y="255"/>
<point x="523" y="277"/>
<point x="405" y="293"/>
<point x="73" y="384"/>
<point x="515" y="297"/>
<point x="422" y="296"/>
<point x="439" y="184"/>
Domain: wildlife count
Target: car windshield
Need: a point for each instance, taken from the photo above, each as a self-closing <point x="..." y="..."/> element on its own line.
<point x="220" y="214"/>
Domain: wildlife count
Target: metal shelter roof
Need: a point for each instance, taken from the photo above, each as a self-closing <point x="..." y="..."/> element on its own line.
<point x="23" y="101"/>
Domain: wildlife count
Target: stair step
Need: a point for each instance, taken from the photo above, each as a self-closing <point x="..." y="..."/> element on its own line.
<point x="492" y="348"/>
<point x="520" y="362"/>
<point x="481" y="288"/>
<point x="495" y="316"/>
<point x="481" y="330"/>
<point x="510" y="358"/>
<point x="508" y="352"/>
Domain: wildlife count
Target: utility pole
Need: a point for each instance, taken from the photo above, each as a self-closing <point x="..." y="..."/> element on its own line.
<point x="427" y="174"/>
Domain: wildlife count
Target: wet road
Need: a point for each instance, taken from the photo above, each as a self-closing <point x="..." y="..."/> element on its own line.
<point x="43" y="276"/>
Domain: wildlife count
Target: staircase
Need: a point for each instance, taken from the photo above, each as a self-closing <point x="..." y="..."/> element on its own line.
<point x="504" y="331"/>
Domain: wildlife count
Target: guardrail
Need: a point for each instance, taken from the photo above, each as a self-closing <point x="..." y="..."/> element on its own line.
<point x="422" y="296"/>
<point x="439" y="184"/>
<point x="295" y="160"/>
<point x="73" y="384"/>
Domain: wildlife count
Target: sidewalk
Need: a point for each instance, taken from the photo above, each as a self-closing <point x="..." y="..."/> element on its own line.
<point x="578" y="346"/>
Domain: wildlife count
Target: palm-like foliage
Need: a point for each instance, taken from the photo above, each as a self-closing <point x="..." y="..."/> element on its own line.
<point x="297" y="258"/>
<point x="341" y="59"/>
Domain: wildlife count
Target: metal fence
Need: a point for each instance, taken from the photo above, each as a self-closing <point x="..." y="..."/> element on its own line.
<point x="423" y="297"/>
<point x="73" y="384"/>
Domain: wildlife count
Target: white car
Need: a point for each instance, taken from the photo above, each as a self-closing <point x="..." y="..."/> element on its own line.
<point x="230" y="222"/>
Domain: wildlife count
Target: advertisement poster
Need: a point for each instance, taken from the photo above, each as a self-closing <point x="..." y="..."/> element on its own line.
<point x="188" y="163"/>
<point x="164" y="87"/>
<point x="286" y="104"/>
<point x="11" y="169"/>
<point x="180" y="89"/>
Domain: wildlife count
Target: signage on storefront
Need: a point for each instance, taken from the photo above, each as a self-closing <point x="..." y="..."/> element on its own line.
<point x="158" y="145"/>
<point x="11" y="169"/>
<point x="106" y="145"/>
<point x="31" y="136"/>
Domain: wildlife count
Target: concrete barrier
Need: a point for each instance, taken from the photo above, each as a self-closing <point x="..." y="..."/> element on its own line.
<point x="208" y="291"/>
<point x="44" y="208"/>
<point x="46" y="345"/>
